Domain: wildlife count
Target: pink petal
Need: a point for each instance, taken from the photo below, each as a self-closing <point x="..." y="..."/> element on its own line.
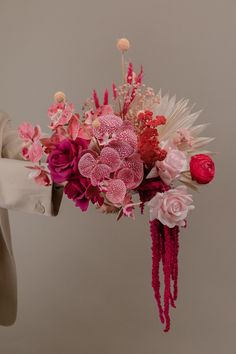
<point x="73" y="127"/>
<point x="99" y="173"/>
<point x="86" y="164"/>
<point x="116" y="191"/>
<point x="128" y="136"/>
<point x="111" y="158"/>
<point x="26" y="131"/>
<point x="123" y="148"/>
<point x="109" y="124"/>
<point x="25" y="152"/>
<point x="42" y="179"/>
<point x="127" y="176"/>
<point x="37" y="133"/>
<point x="136" y="165"/>
<point x="35" y="152"/>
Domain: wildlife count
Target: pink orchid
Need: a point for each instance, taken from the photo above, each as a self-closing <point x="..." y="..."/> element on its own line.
<point x="40" y="175"/>
<point x="127" y="207"/>
<point x="29" y="133"/>
<point x="99" y="168"/>
<point x="115" y="191"/>
<point x="76" y="130"/>
<point x="60" y="114"/>
<point x="33" y="152"/>
<point x="135" y="165"/>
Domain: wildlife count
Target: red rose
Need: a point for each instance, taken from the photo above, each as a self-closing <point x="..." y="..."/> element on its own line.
<point x="202" y="168"/>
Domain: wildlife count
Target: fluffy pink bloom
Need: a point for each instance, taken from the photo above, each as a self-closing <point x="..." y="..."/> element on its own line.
<point x="171" y="207"/>
<point x="171" y="167"/>
<point x="29" y="133"/>
<point x="183" y="138"/>
<point x="40" y="175"/>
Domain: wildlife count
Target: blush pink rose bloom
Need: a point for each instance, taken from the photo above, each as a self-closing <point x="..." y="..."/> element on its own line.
<point x="171" y="207"/>
<point x="171" y="167"/>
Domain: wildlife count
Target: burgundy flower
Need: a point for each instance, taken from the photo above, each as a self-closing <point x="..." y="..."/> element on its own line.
<point x="76" y="189"/>
<point x="149" y="188"/>
<point x="80" y="190"/>
<point x="63" y="160"/>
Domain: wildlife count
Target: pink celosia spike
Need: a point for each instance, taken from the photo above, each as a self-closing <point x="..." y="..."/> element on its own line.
<point x="156" y="258"/>
<point x="106" y="95"/>
<point x="96" y="99"/>
<point x="139" y="77"/>
<point x="130" y="73"/>
<point x="114" y="89"/>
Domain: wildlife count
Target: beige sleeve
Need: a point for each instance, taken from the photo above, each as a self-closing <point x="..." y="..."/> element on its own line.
<point x="17" y="191"/>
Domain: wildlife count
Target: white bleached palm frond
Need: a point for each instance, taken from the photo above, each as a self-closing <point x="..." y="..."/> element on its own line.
<point x="179" y="116"/>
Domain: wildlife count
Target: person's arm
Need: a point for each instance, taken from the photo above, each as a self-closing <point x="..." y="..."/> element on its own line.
<point x="17" y="191"/>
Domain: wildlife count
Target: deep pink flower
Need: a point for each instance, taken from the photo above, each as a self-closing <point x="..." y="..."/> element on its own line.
<point x="76" y="189"/>
<point x="202" y="168"/>
<point x="33" y="152"/>
<point x="60" y="114"/>
<point x="63" y="160"/>
<point x="40" y="175"/>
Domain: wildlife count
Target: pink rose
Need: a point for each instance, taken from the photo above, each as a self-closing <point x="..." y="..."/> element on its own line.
<point x="171" y="207"/>
<point x="202" y="168"/>
<point x="171" y="167"/>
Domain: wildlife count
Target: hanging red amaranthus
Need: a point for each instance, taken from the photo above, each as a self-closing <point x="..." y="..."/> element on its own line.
<point x="165" y="247"/>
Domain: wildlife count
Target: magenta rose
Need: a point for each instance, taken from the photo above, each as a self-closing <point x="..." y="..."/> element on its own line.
<point x="63" y="160"/>
<point x="202" y="168"/>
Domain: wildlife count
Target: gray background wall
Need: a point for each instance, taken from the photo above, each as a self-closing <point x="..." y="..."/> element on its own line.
<point x="84" y="280"/>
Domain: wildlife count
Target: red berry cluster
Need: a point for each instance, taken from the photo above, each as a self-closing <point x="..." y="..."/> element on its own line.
<point x="148" y="143"/>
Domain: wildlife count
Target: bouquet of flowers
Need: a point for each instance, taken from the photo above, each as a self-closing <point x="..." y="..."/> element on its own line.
<point x="135" y="148"/>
